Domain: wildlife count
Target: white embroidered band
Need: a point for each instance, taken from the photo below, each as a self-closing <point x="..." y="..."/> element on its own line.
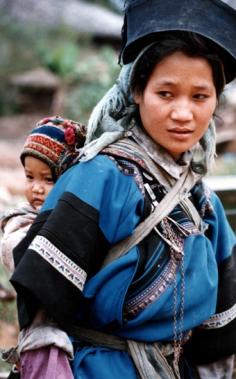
<point x="220" y="319"/>
<point x="59" y="261"/>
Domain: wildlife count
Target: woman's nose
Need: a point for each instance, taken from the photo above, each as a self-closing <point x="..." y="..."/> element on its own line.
<point x="182" y="113"/>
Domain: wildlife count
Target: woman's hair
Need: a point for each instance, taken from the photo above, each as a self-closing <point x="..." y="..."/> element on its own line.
<point x="167" y="43"/>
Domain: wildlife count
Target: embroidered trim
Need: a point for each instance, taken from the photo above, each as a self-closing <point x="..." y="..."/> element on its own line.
<point x="220" y="319"/>
<point x="175" y="240"/>
<point x="59" y="261"/>
<point x="124" y="152"/>
<point x="154" y="291"/>
<point x="129" y="169"/>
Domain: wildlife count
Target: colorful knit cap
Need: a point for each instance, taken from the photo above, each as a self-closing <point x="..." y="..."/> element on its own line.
<point x="56" y="141"/>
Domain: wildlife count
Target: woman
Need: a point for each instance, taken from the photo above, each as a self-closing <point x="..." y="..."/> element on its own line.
<point x="130" y="245"/>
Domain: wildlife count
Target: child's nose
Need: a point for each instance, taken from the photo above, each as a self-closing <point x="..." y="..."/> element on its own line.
<point x="38" y="187"/>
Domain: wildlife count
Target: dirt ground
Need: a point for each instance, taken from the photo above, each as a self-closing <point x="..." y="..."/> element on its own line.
<point x="8" y="314"/>
<point x="8" y="334"/>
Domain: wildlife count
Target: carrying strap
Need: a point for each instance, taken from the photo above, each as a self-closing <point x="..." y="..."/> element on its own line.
<point x="98" y="338"/>
<point x="176" y="194"/>
<point x="133" y="151"/>
<point x="152" y="360"/>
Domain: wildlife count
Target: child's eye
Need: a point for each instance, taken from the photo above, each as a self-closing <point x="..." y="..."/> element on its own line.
<point x="49" y="179"/>
<point x="29" y="177"/>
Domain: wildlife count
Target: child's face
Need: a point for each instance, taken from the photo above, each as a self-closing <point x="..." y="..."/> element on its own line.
<point x="39" y="181"/>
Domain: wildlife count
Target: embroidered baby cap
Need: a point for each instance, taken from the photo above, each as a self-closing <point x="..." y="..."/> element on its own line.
<point x="56" y="141"/>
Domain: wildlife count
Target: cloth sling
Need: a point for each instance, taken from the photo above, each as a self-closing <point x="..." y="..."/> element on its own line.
<point x="177" y="194"/>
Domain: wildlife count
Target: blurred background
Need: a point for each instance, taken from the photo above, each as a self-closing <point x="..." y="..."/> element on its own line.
<point x="60" y="57"/>
<point x="56" y="58"/>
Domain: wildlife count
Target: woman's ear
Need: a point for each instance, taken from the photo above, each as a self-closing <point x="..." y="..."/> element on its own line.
<point x="137" y="97"/>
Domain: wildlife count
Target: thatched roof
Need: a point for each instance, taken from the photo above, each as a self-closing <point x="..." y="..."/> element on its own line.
<point x="37" y="78"/>
<point x="80" y="15"/>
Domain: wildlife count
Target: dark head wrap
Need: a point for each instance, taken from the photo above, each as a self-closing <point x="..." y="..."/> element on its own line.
<point x="212" y="19"/>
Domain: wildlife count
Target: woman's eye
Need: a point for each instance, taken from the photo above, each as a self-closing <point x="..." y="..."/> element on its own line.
<point x="165" y="94"/>
<point x="200" y="96"/>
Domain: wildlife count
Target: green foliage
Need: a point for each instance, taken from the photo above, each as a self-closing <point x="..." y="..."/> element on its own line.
<point x="59" y="51"/>
<point x="81" y="100"/>
<point x="17" y="47"/>
<point x="8" y="312"/>
<point x="5" y="367"/>
<point x="7" y="309"/>
<point x="85" y="70"/>
<point x="15" y="57"/>
<point x="95" y="74"/>
<point x="105" y="3"/>
<point x="61" y="59"/>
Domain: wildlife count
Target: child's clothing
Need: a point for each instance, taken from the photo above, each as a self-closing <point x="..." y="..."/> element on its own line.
<point x="14" y="224"/>
<point x="46" y="363"/>
<point x="42" y="350"/>
<point x="45" y="345"/>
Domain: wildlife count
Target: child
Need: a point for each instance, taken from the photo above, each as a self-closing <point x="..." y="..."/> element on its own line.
<point x="48" y="151"/>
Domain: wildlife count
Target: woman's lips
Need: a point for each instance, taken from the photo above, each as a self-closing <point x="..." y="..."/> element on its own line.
<point x="181" y="134"/>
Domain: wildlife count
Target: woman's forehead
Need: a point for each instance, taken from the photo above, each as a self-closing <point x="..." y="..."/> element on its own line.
<point x="178" y="66"/>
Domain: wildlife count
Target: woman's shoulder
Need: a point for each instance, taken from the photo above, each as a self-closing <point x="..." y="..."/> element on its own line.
<point x="95" y="178"/>
<point x="100" y="161"/>
<point x="107" y="166"/>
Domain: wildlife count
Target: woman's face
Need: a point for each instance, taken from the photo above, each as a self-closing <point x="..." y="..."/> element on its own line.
<point x="178" y="102"/>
